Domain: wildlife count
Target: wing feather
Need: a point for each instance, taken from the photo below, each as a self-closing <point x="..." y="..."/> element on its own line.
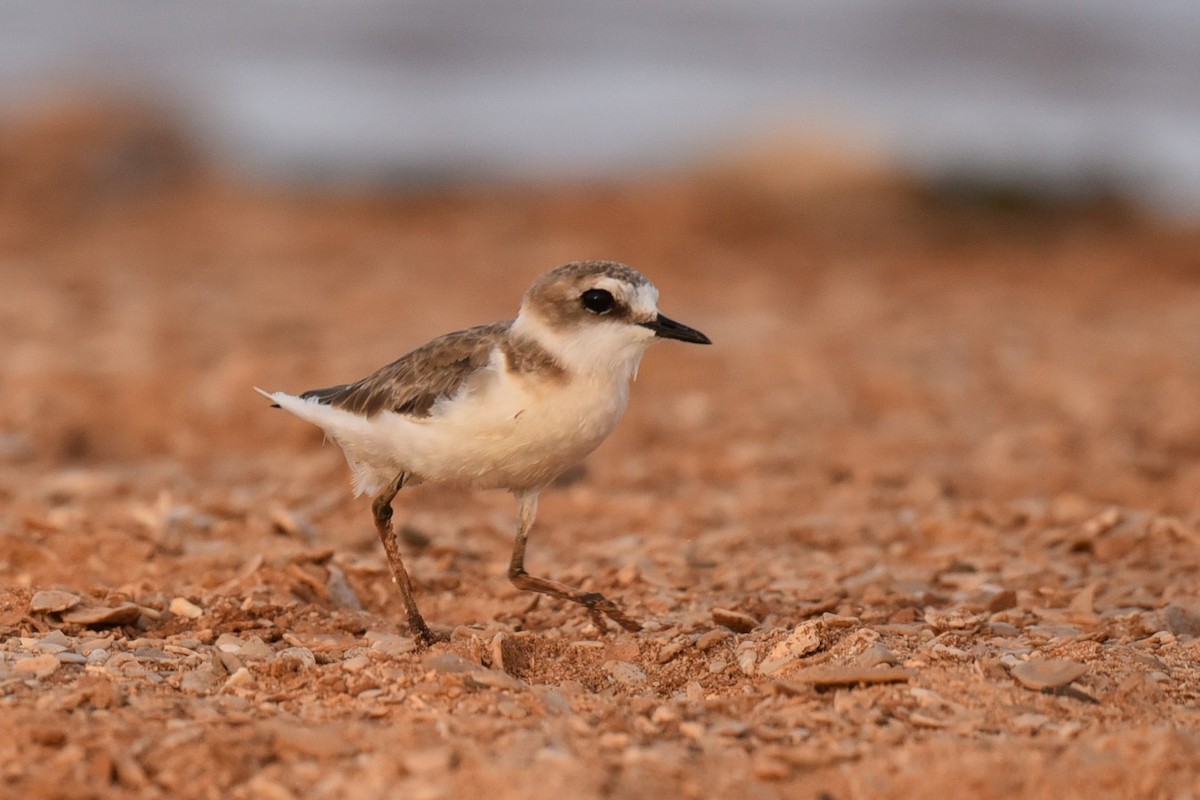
<point x="414" y="382"/>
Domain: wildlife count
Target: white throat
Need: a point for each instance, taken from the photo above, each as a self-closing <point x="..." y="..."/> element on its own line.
<point x="611" y="350"/>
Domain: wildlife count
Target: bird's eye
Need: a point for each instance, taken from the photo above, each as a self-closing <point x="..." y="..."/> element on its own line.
<point x="598" y="301"/>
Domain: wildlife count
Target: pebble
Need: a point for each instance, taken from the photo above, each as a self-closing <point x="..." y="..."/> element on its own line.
<point x="496" y="650"/>
<point x="1048" y="673"/>
<point x="448" y="663"/>
<point x="240" y="678"/>
<point x="183" y="607"/>
<point x="1183" y="617"/>
<point x="201" y="680"/>
<point x="302" y="655"/>
<point x="339" y="589"/>
<point x="70" y="658"/>
<point x="1001" y="628"/>
<point x="849" y="676"/>
<point x="41" y="666"/>
<point x="712" y="638"/>
<point x="747" y="660"/>
<point x="625" y="673"/>
<point x="228" y="643"/>
<point x="124" y="614"/>
<point x="734" y="620"/>
<point x="802" y="641"/>
<point x="875" y="655"/>
<point x="255" y="649"/>
<point x="494" y="679"/>
<point x="357" y="663"/>
<point x="88" y="645"/>
<point x="98" y="655"/>
<point x="52" y="601"/>
<point x="664" y="714"/>
<point x="955" y="619"/>
<point x="392" y="645"/>
<point x="767" y="768"/>
<point x="669" y="651"/>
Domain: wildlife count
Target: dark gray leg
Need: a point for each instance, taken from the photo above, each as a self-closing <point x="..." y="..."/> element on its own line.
<point x="595" y="603"/>
<point x="382" y="508"/>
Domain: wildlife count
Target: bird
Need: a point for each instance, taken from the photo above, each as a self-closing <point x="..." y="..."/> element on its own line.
<point x="508" y="405"/>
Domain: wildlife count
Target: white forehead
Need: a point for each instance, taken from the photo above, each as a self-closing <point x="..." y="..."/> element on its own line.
<point x="641" y="297"/>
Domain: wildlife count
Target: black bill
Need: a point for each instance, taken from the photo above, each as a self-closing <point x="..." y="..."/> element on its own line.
<point x="670" y="329"/>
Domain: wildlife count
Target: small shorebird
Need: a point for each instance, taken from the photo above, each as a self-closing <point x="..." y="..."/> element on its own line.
<point x="510" y="405"/>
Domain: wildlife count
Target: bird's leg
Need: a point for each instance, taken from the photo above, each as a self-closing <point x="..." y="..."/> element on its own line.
<point x="595" y="603"/>
<point x="382" y="508"/>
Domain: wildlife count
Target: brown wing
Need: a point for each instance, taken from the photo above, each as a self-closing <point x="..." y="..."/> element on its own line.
<point x="414" y="382"/>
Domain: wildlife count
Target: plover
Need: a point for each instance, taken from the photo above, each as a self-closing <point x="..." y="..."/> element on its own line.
<point x="510" y="405"/>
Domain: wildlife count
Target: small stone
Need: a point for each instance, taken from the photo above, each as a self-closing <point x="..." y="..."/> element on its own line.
<point x="449" y="663"/>
<point x="767" y="768"/>
<point x="496" y="648"/>
<point x="124" y="614"/>
<point x="494" y="679"/>
<point x="356" y="664"/>
<point x="625" y="673"/>
<point x="1048" y="673"/>
<point x="301" y="655"/>
<point x="746" y="661"/>
<point x="240" y="678"/>
<point x="663" y="715"/>
<point x="70" y="658"/>
<point x="712" y="638"/>
<point x="1183" y="617"/>
<point x="875" y="655"/>
<point x="734" y="620"/>
<point x="89" y="645"/>
<point x="255" y="649"/>
<point x="669" y="651"/>
<point x="228" y="643"/>
<point x="390" y="644"/>
<point x="339" y="589"/>
<point x="292" y="523"/>
<point x="201" y="680"/>
<point x="97" y="656"/>
<point x="850" y="676"/>
<point x="56" y="637"/>
<point x="1001" y="628"/>
<point x="52" y="601"/>
<point x="955" y="619"/>
<point x="1103" y="522"/>
<point x="42" y="666"/>
<point x="802" y="641"/>
<point x="182" y="607"/>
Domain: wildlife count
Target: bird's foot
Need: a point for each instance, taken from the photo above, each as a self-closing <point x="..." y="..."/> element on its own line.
<point x="598" y="606"/>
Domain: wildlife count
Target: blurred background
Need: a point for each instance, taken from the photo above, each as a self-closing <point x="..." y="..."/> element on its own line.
<point x="1056" y="97"/>
<point x="944" y="244"/>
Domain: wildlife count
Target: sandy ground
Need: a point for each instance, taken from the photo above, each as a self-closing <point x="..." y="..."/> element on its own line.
<point x="924" y="521"/>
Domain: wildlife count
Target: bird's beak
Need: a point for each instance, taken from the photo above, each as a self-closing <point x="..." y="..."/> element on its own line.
<point x="670" y="329"/>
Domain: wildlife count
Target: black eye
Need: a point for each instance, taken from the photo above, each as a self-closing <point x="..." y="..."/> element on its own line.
<point x="598" y="301"/>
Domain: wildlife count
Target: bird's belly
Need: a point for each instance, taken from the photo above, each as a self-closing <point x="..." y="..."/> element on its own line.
<point x="514" y="438"/>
